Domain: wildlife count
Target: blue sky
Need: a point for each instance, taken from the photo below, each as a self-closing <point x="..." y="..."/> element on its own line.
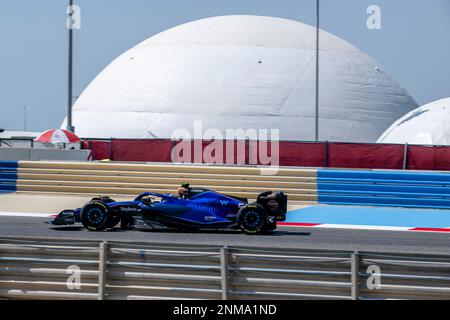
<point x="413" y="44"/>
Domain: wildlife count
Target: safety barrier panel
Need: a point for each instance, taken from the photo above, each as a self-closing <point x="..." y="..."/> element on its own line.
<point x="76" y="269"/>
<point x="8" y="176"/>
<point x="131" y="179"/>
<point x="43" y="154"/>
<point x="384" y="188"/>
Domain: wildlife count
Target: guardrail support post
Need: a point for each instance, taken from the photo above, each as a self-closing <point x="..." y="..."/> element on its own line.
<point x="355" y="275"/>
<point x="102" y="269"/>
<point x="224" y="255"/>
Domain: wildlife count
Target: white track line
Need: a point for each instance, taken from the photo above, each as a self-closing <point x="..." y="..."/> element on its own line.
<point x="363" y="227"/>
<point x="350" y="226"/>
<point x="25" y="214"/>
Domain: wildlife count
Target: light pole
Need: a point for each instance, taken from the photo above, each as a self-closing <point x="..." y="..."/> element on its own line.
<point x="317" y="70"/>
<point x="70" y="68"/>
<point x="25" y="109"/>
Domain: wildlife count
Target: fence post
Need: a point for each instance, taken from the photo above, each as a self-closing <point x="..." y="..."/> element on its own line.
<point x="102" y="269"/>
<point x="173" y="151"/>
<point x="326" y="154"/>
<point x="224" y="255"/>
<point x="355" y="275"/>
<point x="111" y="149"/>
<point x="405" y="157"/>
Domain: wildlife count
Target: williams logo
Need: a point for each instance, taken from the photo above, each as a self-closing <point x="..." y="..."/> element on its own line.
<point x="129" y="209"/>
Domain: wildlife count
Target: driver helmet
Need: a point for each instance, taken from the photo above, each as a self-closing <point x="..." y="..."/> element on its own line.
<point x="184" y="189"/>
<point x="185" y="184"/>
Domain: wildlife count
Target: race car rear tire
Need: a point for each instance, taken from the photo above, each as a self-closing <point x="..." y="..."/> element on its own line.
<point x="252" y="219"/>
<point x="95" y="215"/>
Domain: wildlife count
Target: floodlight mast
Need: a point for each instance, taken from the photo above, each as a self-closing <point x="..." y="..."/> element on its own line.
<point x="317" y="70"/>
<point x="70" y="127"/>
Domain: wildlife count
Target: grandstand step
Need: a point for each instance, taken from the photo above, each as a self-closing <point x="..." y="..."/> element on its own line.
<point x="169" y="180"/>
<point x="166" y="168"/>
<point x="136" y="191"/>
<point x="164" y="175"/>
<point x="150" y="187"/>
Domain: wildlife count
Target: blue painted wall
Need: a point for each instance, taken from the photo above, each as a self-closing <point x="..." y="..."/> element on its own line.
<point x="384" y="188"/>
<point x="8" y="176"/>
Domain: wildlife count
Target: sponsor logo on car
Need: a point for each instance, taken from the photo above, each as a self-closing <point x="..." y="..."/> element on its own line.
<point x="272" y="205"/>
<point x="129" y="209"/>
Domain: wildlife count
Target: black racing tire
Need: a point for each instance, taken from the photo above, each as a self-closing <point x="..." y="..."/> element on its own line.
<point x="252" y="219"/>
<point x="112" y="221"/>
<point x="104" y="199"/>
<point x="95" y="215"/>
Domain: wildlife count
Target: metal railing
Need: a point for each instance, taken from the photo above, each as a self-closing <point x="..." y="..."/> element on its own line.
<point x="30" y="143"/>
<point x="75" y="269"/>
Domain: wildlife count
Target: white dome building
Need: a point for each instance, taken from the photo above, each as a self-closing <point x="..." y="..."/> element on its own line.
<point x="243" y="72"/>
<point x="429" y="125"/>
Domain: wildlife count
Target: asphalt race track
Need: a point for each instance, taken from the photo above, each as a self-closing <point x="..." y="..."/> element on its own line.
<point x="285" y="237"/>
<point x="32" y="225"/>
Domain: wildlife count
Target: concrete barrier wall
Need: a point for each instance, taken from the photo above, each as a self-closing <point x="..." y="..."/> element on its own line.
<point x="131" y="179"/>
<point x="43" y="154"/>
<point x="30" y="143"/>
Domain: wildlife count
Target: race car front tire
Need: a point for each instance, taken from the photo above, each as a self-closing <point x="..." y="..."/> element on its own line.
<point x="112" y="221"/>
<point x="95" y="216"/>
<point x="252" y="219"/>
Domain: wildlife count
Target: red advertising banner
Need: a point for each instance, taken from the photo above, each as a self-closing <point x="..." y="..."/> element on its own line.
<point x="100" y="149"/>
<point x="368" y="156"/>
<point x="289" y="153"/>
<point x="142" y="150"/>
<point x="283" y="153"/>
<point x="428" y="158"/>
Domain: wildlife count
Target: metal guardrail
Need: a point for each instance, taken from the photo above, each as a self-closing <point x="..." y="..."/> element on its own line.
<point x="30" y="143"/>
<point x="73" y="269"/>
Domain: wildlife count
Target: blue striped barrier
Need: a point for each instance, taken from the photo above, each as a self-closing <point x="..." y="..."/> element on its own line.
<point x="8" y="176"/>
<point x="384" y="188"/>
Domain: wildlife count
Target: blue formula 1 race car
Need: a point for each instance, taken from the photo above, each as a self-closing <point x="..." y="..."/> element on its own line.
<point x="207" y="209"/>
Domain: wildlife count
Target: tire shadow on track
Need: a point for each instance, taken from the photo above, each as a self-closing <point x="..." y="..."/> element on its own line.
<point x="67" y="229"/>
<point x="175" y="231"/>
